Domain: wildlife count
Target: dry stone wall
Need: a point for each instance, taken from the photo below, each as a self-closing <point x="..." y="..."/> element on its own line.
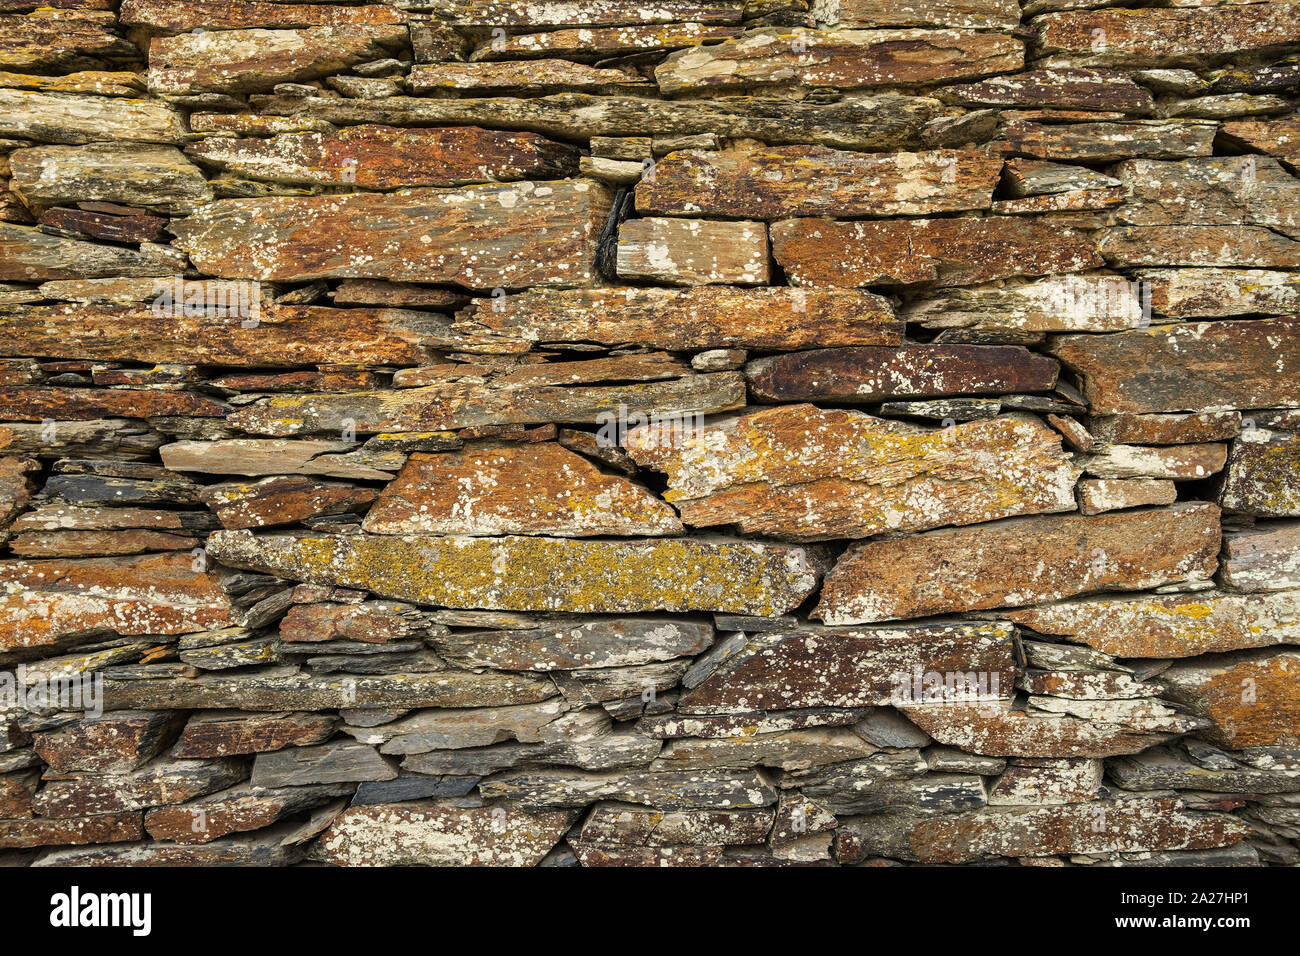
<point x="611" y="433"/>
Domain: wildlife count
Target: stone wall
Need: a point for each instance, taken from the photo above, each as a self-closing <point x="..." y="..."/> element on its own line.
<point x="601" y="432"/>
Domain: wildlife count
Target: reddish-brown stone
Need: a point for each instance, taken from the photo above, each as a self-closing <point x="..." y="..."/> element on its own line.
<point x="1177" y="368"/>
<point x="861" y="375"/>
<point x="383" y="157"/>
<point x="944" y="252"/>
<point x="774" y="182"/>
<point x="1021" y="561"/>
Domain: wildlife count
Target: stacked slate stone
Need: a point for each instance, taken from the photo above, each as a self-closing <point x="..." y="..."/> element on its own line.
<point x="615" y="432"/>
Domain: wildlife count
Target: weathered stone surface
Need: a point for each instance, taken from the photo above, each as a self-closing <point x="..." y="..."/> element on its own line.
<point x="581" y="13"/>
<point x="1263" y="558"/>
<point x="999" y="730"/>
<point x="556" y="574"/>
<point x="1191" y="245"/>
<point x="284" y="690"/>
<point x="1219" y="191"/>
<point x="1215" y="365"/>
<point x="257" y="850"/>
<point x="238" y="810"/>
<point x="398" y="835"/>
<point x="269" y="456"/>
<point x="61" y="40"/>
<point x="227" y="327"/>
<point x="1066" y="88"/>
<point x="160" y="783"/>
<point x="801" y="472"/>
<point x="855" y="121"/>
<point x="693" y="251"/>
<point x="383" y="157"/>
<point x="1067" y="303"/>
<point x="1173" y="463"/>
<point x="851" y="667"/>
<point x="789" y="750"/>
<point x="338" y="762"/>
<point x="1263" y="474"/>
<point x="615" y="824"/>
<point x="1175" y="625"/>
<point x="779" y="181"/>
<point x="699" y="317"/>
<point x="516" y="489"/>
<point x="153" y="176"/>
<point x="668" y="790"/>
<point x="67" y="118"/>
<point x="52" y="602"/>
<point x="74" y="830"/>
<point x="75" y="544"/>
<point x="843" y="59"/>
<point x="1113" y="826"/>
<point x="1280" y="137"/>
<point x="114" y="743"/>
<point x="1164" y="768"/>
<point x="453" y="729"/>
<point x="31" y="255"/>
<point x="974" y="14"/>
<point x="371" y="622"/>
<point x="1152" y="37"/>
<point x="1109" y="142"/>
<point x="618" y="642"/>
<point x="243" y="61"/>
<point x="1021" y="561"/>
<point x="1098" y="495"/>
<point x="470" y="404"/>
<point x="1166" y="429"/>
<point x="861" y="375"/>
<point x="472" y="236"/>
<point x="229" y="733"/>
<point x="1216" y="293"/>
<point x="183" y="16"/>
<point x="1252" y="698"/>
<point x="521" y="76"/>
<point x="636" y="38"/>
<point x="1053" y="782"/>
<point x="443" y="461"/>
<point x="944" y="252"/>
<point x="282" y="500"/>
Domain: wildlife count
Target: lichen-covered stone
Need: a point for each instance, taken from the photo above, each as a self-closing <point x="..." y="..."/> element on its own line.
<point x="1182" y="368"/>
<point x="801" y="472"/>
<point x="398" y="835"/>
<point x="557" y="574"/>
<point x="782" y="181"/>
<point x="1172" y="625"/>
<point x="843" y="59"/>
<point x="471" y="236"/>
<point x="853" y="667"/>
<point x="539" y="488"/>
<point x="944" y="252"/>
<point x="384" y="157"/>
<point x="1020" y="561"/>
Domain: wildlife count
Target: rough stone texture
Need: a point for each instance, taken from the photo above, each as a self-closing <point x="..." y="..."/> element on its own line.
<point x="384" y="157"/>
<point x="780" y="472"/>
<point x="699" y="317"/>
<point x="980" y="567"/>
<point x="943" y="252"/>
<point x="555" y="574"/>
<point x="628" y="433"/>
<point x="814" y="181"/>
<point x="1186" y="368"/>
<point x="843" y="59"/>
<point x="516" y="489"/>
<point x="420" y="235"/>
